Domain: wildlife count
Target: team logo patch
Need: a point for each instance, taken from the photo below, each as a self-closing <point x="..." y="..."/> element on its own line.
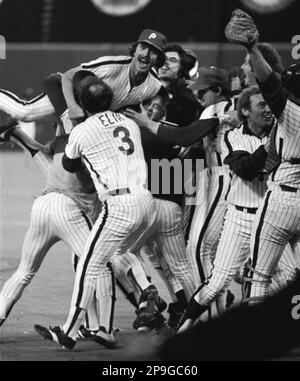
<point x="152" y="35"/>
<point x="120" y="7"/>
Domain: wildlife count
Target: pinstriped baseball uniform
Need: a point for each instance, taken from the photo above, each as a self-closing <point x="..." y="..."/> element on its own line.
<point x="60" y="213"/>
<point x="211" y="205"/>
<point x="278" y="217"/>
<point x="114" y="70"/>
<point x="20" y="109"/>
<point x="110" y="145"/>
<point x="247" y="188"/>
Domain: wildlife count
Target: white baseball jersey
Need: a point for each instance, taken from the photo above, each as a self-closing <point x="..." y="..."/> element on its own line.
<point x="245" y="193"/>
<point x="213" y="157"/>
<point x="114" y="71"/>
<point x="110" y="145"/>
<point x="288" y="146"/>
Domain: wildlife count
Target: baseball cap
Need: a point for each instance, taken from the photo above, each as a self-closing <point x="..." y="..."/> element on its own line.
<point x="210" y="76"/>
<point x="153" y="38"/>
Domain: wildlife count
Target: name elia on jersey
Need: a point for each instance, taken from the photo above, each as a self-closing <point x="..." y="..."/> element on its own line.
<point x="166" y="176"/>
<point x="109" y="119"/>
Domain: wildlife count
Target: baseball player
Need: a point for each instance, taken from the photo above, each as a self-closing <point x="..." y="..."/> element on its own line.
<point x="57" y="176"/>
<point x="245" y="151"/>
<point x="277" y="221"/>
<point x="60" y="213"/>
<point x="110" y="145"/>
<point x="132" y="79"/>
<point x="169" y="236"/>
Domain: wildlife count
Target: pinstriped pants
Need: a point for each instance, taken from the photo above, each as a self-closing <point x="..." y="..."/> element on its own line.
<point x="125" y="222"/>
<point x="29" y="111"/>
<point x="54" y="217"/>
<point x="277" y="223"/>
<point x="207" y="224"/>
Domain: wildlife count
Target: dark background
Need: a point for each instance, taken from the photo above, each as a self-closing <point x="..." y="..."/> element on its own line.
<point x="180" y="20"/>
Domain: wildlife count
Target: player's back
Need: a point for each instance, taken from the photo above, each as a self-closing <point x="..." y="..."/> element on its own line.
<point x="111" y="147"/>
<point x="81" y="190"/>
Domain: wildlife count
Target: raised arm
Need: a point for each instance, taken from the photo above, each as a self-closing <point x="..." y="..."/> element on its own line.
<point x="75" y="111"/>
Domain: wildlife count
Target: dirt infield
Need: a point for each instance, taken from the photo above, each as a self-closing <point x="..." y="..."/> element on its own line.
<point x="47" y="299"/>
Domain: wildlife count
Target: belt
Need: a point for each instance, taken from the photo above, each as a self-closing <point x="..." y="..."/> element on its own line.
<point x="247" y="210"/>
<point x="286" y="188"/>
<point x="119" y="191"/>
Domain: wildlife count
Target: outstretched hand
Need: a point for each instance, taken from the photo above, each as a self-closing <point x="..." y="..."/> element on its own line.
<point x="141" y="118"/>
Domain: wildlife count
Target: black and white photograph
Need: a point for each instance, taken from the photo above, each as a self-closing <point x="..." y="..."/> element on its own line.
<point x="149" y="183"/>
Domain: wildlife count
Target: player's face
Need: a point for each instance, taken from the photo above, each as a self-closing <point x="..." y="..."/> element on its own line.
<point x="207" y="97"/>
<point x="249" y="74"/>
<point x="171" y="67"/>
<point x="155" y="108"/>
<point x="260" y="113"/>
<point x="144" y="57"/>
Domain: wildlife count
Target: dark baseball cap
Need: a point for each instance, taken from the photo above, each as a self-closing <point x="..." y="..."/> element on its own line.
<point x="153" y="38"/>
<point x="210" y="76"/>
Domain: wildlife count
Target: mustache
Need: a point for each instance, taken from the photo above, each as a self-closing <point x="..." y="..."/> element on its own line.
<point x="145" y="58"/>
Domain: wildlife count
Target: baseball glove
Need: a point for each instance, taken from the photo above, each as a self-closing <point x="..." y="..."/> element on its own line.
<point x="241" y="29"/>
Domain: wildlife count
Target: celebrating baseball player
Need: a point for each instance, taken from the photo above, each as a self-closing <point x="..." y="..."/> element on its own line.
<point x="245" y="150"/>
<point x="110" y="145"/>
<point x="131" y="78"/>
<point x="277" y="220"/>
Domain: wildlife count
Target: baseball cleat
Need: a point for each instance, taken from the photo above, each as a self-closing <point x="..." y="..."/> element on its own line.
<point x="106" y="339"/>
<point x="229" y="298"/>
<point x="161" y="304"/>
<point x="56" y="334"/>
<point x="175" y="311"/>
<point x="86" y="334"/>
<point x="146" y="322"/>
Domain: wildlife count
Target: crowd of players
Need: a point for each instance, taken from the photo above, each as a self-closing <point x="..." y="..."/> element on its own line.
<point x="240" y="223"/>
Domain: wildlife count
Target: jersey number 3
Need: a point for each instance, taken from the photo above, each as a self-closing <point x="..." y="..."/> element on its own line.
<point x="127" y="148"/>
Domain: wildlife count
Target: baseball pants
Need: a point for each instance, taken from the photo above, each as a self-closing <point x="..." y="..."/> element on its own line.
<point x="124" y="224"/>
<point x="207" y="222"/>
<point x="54" y="217"/>
<point x="28" y="111"/>
<point x="277" y="223"/>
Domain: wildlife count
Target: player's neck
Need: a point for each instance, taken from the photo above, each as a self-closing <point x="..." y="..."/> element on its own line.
<point x="257" y="130"/>
<point x="136" y="77"/>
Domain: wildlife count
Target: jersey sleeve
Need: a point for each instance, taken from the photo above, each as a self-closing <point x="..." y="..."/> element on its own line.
<point x="243" y="163"/>
<point x="232" y="141"/>
<point x="186" y="136"/>
<point x="290" y="117"/>
<point x="74" y="146"/>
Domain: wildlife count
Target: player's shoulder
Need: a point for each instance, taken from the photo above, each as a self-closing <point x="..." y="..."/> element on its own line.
<point x="154" y="74"/>
<point x="103" y="61"/>
<point x="235" y="132"/>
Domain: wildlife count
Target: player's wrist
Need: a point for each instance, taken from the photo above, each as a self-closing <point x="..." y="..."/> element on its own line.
<point x="153" y="126"/>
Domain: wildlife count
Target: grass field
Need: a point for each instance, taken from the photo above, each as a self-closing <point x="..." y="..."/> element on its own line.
<point x="47" y="298"/>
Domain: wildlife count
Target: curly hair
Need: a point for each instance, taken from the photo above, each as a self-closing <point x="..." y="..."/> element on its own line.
<point x="187" y="61"/>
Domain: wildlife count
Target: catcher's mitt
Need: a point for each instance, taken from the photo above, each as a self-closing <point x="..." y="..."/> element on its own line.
<point x="241" y="29"/>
